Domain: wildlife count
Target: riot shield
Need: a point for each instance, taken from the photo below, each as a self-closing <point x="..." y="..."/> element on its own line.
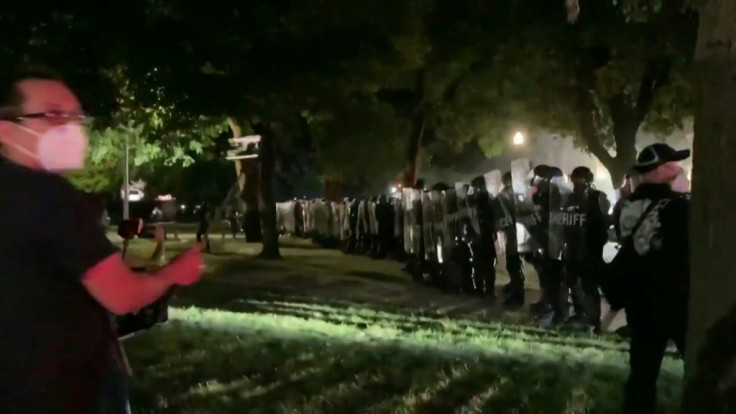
<point x="526" y="220"/>
<point x="352" y="217"/>
<point x="463" y="216"/>
<point x="451" y="269"/>
<point x="407" y="201"/>
<point x="465" y="238"/>
<point x="493" y="182"/>
<point x="563" y="217"/>
<point x="473" y="195"/>
<point x="372" y="218"/>
<point x="520" y="170"/>
<point x="449" y="206"/>
<point x="336" y="232"/>
<point x="299" y="218"/>
<point x="398" y="217"/>
<point x="317" y="219"/>
<point x="428" y="221"/>
<point x="362" y="228"/>
<point x="345" y="220"/>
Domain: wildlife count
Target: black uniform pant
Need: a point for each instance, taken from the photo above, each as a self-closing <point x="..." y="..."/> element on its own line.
<point x="203" y="233"/>
<point x="652" y="327"/>
<point x="583" y="283"/>
<point x="516" y="274"/>
<point x="484" y="271"/>
<point x="556" y="296"/>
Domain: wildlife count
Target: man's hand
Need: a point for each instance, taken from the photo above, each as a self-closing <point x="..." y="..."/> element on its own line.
<point x="190" y="266"/>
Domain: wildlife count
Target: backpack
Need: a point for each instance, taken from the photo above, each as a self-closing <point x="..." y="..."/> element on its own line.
<point x="617" y="276"/>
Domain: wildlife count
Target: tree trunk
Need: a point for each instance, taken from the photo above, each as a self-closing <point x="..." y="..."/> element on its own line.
<point x="712" y="219"/>
<point x="333" y="190"/>
<point x="625" y="127"/>
<point x="415" y="143"/>
<point x="625" y="158"/>
<point x="247" y="173"/>
<point x="266" y="199"/>
<point x="250" y="190"/>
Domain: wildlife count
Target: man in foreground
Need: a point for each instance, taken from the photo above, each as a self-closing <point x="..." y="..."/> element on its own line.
<point x="655" y="217"/>
<point x="61" y="275"/>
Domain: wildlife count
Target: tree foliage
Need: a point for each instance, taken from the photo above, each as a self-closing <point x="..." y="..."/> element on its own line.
<point x="599" y="80"/>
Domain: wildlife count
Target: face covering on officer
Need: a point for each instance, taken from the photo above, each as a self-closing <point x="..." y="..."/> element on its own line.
<point x="681" y="184"/>
<point x="581" y="178"/>
<point x="60" y="148"/>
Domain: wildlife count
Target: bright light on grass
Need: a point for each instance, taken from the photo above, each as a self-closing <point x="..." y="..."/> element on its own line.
<point x="332" y="360"/>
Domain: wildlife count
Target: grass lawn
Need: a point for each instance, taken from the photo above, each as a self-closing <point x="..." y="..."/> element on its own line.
<point x="309" y="335"/>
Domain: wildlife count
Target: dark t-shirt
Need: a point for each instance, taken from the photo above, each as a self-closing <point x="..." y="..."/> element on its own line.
<point x="54" y="337"/>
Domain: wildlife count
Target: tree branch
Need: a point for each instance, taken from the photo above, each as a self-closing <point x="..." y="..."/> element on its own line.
<point x="588" y="132"/>
<point x="655" y="76"/>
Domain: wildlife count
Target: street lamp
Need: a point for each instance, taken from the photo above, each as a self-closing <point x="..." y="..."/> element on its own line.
<point x="519" y="138"/>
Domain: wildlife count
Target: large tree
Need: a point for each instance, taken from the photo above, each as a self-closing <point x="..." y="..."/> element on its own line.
<point x="712" y="226"/>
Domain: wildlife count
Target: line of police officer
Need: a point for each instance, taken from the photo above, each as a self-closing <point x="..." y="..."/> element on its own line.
<point x="448" y="235"/>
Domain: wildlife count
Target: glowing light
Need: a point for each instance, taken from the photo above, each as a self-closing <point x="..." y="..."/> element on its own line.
<point x="183" y="207"/>
<point x="394" y="189"/>
<point x="519" y="138"/>
<point x="601" y="174"/>
<point x="135" y="196"/>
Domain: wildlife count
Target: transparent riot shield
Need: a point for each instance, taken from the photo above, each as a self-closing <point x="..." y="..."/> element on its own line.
<point x="493" y="182"/>
<point x="372" y="218"/>
<point x="437" y="198"/>
<point x="416" y="222"/>
<point x="463" y="216"/>
<point x="428" y="221"/>
<point x="407" y="202"/>
<point x="474" y="193"/>
<point x="398" y="218"/>
<point x="452" y="269"/>
<point x="563" y="217"/>
<point x="362" y="229"/>
<point x="309" y="218"/>
<point x="345" y="220"/>
<point x="504" y="215"/>
<point x="319" y="219"/>
<point x="336" y="221"/>
<point x="526" y="219"/>
<point x="450" y="213"/>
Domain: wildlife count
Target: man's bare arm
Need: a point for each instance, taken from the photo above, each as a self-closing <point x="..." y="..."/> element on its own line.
<point x="122" y="291"/>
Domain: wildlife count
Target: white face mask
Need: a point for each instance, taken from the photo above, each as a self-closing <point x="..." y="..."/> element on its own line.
<point x="60" y="148"/>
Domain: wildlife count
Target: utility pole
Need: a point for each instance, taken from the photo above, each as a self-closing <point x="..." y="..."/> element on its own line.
<point x="126" y="179"/>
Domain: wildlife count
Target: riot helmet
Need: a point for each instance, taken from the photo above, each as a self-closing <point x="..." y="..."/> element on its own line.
<point x="440" y="187"/>
<point x="540" y="173"/>
<point x="506" y="180"/>
<point x="582" y="178"/>
<point x="478" y="183"/>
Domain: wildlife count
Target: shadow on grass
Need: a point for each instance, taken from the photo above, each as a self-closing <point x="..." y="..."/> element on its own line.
<point x="182" y="369"/>
<point x="377" y="277"/>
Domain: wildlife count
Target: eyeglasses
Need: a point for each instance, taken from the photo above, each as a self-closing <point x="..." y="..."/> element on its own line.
<point x="54" y="117"/>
